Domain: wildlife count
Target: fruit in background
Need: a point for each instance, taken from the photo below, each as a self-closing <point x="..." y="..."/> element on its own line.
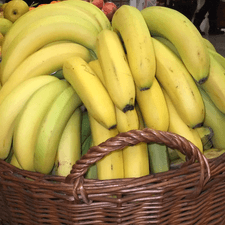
<point x="1" y="38"/>
<point x="98" y="3"/>
<point x="109" y="8"/>
<point x="5" y="25"/>
<point x="3" y="7"/>
<point x="1" y="14"/>
<point x="15" y="9"/>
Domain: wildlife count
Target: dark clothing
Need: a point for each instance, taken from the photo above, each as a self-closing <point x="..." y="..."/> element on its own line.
<point x="186" y="7"/>
<point x="210" y="6"/>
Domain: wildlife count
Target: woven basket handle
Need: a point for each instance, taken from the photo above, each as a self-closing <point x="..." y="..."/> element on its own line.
<point x="134" y="137"/>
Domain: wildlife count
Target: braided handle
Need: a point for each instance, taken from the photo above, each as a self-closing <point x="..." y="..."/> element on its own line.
<point x="134" y="137"/>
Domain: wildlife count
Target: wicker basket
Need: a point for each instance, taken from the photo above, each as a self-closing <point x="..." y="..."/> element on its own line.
<point x="191" y="194"/>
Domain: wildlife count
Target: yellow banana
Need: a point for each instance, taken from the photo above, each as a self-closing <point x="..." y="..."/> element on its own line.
<point x="179" y="85"/>
<point x="92" y="9"/>
<point x="135" y="160"/>
<point x="131" y="26"/>
<point x="91" y="91"/>
<point x="15" y="162"/>
<point x="153" y="107"/>
<point x="45" y="11"/>
<point x="127" y="120"/>
<point x="11" y="107"/>
<point x="208" y="44"/>
<point x="44" y="61"/>
<point x="218" y="57"/>
<point x="178" y="126"/>
<point x="111" y="166"/>
<point x="29" y="120"/>
<point x="44" y="31"/>
<point x="215" y="84"/>
<point x="177" y="28"/>
<point x="140" y="117"/>
<point x="215" y="119"/>
<point x="51" y="129"/>
<point x="69" y="150"/>
<point x="116" y="71"/>
<point x="96" y="67"/>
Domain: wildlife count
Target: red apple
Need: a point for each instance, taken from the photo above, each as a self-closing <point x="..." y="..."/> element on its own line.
<point x="109" y="9"/>
<point x="98" y="3"/>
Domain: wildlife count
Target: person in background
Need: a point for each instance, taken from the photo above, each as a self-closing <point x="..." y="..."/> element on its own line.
<point x="210" y="6"/>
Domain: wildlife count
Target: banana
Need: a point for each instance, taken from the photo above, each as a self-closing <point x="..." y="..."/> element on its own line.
<point x="9" y="112"/>
<point x="96" y="67"/>
<point x="177" y="28"/>
<point x="118" y="78"/>
<point x="208" y="44"/>
<point x="213" y="153"/>
<point x="169" y="44"/>
<point x="178" y="126"/>
<point x="92" y="9"/>
<point x="91" y="91"/>
<point x="218" y="57"/>
<point x="153" y="107"/>
<point x="85" y="127"/>
<point x="179" y="85"/>
<point x="127" y="120"/>
<point x="131" y="26"/>
<point x="92" y="172"/>
<point x="215" y="119"/>
<point x="5" y="25"/>
<point x="135" y="160"/>
<point x="111" y="166"/>
<point x="69" y="150"/>
<point x="29" y="120"/>
<point x="15" y="162"/>
<point x="44" y="31"/>
<point x="51" y="129"/>
<point x="215" y="84"/>
<point x="44" y="61"/>
<point x="206" y="134"/>
<point x="158" y="157"/>
<point x="45" y="11"/>
<point x="140" y="117"/>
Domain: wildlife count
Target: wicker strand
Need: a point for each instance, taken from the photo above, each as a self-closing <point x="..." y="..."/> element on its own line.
<point x="134" y="137"/>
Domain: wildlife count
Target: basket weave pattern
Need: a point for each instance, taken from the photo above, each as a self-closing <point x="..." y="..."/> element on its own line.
<point x="191" y="194"/>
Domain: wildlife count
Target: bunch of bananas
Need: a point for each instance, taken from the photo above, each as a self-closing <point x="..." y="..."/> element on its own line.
<point x="72" y="79"/>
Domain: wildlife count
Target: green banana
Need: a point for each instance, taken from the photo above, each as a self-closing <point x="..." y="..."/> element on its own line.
<point x="9" y="112"/>
<point x="206" y="134"/>
<point x="85" y="127"/>
<point x="218" y="57"/>
<point x="69" y="149"/>
<point x="215" y="119"/>
<point x="214" y="86"/>
<point x="213" y="153"/>
<point x="29" y="120"/>
<point x="51" y="129"/>
<point x="92" y="172"/>
<point x="159" y="158"/>
<point x="209" y="45"/>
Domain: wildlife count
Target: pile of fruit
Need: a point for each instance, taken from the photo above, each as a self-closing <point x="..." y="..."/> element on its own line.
<point x="72" y="78"/>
